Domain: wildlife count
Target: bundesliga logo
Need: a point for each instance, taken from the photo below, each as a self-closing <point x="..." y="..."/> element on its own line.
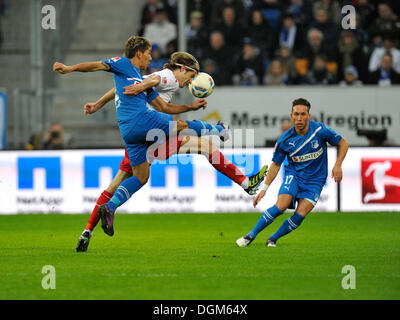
<point x="380" y="180"/>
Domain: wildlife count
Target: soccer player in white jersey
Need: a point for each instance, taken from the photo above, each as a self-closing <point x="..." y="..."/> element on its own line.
<point x="167" y="81"/>
<point x="305" y="146"/>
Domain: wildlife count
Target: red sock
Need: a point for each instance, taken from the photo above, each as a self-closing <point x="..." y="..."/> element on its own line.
<point x="94" y="217"/>
<point x="227" y="168"/>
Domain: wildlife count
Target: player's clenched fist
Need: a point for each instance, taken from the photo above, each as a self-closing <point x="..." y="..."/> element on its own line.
<point x="61" y="68"/>
<point x="90" y="108"/>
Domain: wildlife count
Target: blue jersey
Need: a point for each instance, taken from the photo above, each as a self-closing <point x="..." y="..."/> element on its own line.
<point x="307" y="155"/>
<point x="135" y="119"/>
<point x="125" y="74"/>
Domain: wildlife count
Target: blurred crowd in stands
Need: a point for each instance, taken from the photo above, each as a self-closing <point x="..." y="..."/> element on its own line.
<point x="281" y="42"/>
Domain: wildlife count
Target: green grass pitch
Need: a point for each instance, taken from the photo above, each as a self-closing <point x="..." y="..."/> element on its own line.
<point x="194" y="256"/>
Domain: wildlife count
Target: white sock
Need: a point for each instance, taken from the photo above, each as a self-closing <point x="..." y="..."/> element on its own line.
<point x="245" y="183"/>
<point x="90" y="231"/>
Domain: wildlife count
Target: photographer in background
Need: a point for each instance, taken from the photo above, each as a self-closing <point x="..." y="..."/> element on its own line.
<point x="54" y="138"/>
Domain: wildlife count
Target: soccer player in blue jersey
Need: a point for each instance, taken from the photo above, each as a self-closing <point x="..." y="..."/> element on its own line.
<point x="305" y="146"/>
<point x="135" y="119"/>
<point x="166" y="82"/>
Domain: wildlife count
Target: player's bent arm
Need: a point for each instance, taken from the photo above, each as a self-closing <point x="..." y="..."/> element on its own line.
<point x="343" y="147"/>
<point x="272" y="173"/>
<point x="149" y="82"/>
<point x="171" y="108"/>
<point x="81" y="67"/>
<point x="167" y="107"/>
<point x="108" y="96"/>
<point x="90" y="108"/>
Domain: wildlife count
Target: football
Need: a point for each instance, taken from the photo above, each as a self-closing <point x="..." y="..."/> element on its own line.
<point x="202" y="85"/>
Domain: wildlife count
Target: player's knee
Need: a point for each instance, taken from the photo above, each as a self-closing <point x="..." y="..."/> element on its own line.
<point x="142" y="173"/>
<point x="143" y="177"/>
<point x="284" y="201"/>
<point x="144" y="180"/>
<point x="207" y="147"/>
<point x="282" y="205"/>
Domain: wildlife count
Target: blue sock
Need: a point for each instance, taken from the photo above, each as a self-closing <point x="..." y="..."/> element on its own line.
<point x="204" y="128"/>
<point x="288" y="225"/>
<point x="126" y="189"/>
<point x="266" y="219"/>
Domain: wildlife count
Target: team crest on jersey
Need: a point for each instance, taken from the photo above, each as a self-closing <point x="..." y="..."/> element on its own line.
<point x="315" y="144"/>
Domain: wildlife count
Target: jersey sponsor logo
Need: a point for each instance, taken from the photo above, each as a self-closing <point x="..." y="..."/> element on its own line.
<point x="380" y="180"/>
<point x="165" y="80"/>
<point x="115" y="59"/>
<point x="308" y="156"/>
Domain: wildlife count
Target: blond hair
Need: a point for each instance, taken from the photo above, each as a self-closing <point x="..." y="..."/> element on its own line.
<point x="179" y="59"/>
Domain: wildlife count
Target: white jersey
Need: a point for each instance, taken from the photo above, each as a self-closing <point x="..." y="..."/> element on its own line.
<point x="167" y="86"/>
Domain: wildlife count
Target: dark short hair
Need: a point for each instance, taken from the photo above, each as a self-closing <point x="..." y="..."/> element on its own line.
<point x="303" y="102"/>
<point x="135" y="44"/>
<point x="288" y="15"/>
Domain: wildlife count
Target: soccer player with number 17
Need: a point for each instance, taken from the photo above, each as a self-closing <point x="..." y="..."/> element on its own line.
<point x="305" y="146"/>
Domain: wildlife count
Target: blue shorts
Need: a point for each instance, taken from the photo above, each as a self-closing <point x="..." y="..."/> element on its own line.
<point x="142" y="131"/>
<point x="300" y="190"/>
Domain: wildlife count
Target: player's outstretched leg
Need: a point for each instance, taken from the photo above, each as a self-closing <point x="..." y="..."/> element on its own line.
<point x="201" y="128"/>
<point x="255" y="180"/>
<point x="266" y="219"/>
<point x="195" y="145"/>
<point x="249" y="184"/>
<point x="224" y="135"/>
